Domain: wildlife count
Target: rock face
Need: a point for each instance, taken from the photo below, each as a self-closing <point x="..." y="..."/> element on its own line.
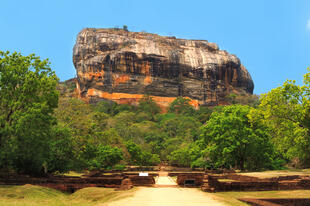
<point x="122" y="66"/>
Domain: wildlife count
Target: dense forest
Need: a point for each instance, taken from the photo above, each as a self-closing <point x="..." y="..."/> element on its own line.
<point x="44" y="128"/>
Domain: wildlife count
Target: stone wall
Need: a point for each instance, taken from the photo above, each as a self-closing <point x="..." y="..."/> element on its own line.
<point x="235" y="182"/>
<point x="71" y="184"/>
<point x="197" y="177"/>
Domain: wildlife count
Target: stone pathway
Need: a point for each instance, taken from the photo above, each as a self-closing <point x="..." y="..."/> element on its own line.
<point x="165" y="195"/>
<point x="148" y="196"/>
<point x="164" y="180"/>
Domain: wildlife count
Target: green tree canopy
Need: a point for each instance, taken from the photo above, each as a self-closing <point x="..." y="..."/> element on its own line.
<point x="102" y="156"/>
<point x="148" y="105"/>
<point x="286" y="110"/>
<point x="28" y="97"/>
<point x="181" y="106"/>
<point x="232" y="141"/>
<point x="141" y="157"/>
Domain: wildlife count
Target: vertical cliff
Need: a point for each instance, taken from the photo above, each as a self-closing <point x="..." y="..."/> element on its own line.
<point x="122" y="66"/>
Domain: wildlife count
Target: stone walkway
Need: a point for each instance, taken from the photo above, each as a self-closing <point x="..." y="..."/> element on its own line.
<point x="147" y="196"/>
<point x="163" y="179"/>
<point x="168" y="196"/>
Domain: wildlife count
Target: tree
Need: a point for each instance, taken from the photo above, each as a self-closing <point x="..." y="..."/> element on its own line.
<point x="125" y="27"/>
<point x="181" y="106"/>
<point x="186" y="155"/>
<point x="203" y="114"/>
<point x="135" y="152"/>
<point x="232" y="141"/>
<point x="103" y="156"/>
<point x="140" y="157"/>
<point x="244" y="99"/>
<point x="286" y="109"/>
<point x="107" y="107"/>
<point x="28" y="97"/>
<point x="181" y="126"/>
<point x="148" y="105"/>
<point x="61" y="155"/>
<point x="180" y="157"/>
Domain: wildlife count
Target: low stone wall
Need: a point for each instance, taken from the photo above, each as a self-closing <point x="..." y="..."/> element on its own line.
<point x="143" y="168"/>
<point x="276" y="201"/>
<point x="142" y="180"/>
<point x="66" y="184"/>
<point x="71" y="184"/>
<point x="183" y="177"/>
<point x="171" y="174"/>
<point x="245" y="186"/>
<point x="152" y="174"/>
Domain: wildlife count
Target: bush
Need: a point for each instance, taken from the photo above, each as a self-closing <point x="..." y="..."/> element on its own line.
<point x="103" y="156"/>
<point x="119" y="167"/>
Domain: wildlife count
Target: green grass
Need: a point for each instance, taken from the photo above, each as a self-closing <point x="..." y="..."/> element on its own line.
<point x="30" y="195"/>
<point x="277" y="173"/>
<point x="226" y="180"/>
<point x="74" y="174"/>
<point x="174" y="178"/>
<point x="230" y="198"/>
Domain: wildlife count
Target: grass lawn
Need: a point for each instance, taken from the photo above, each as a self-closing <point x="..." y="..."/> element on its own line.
<point x="230" y="198"/>
<point x="74" y="174"/>
<point x="31" y="195"/>
<point x="277" y="173"/>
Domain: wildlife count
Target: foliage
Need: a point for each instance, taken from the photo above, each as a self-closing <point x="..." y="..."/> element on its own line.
<point x="244" y="99"/>
<point x="61" y="150"/>
<point x="203" y="114"/>
<point x="181" y="106"/>
<point x="232" y="141"/>
<point x="140" y="157"/>
<point x="148" y="105"/>
<point x="103" y="157"/>
<point x="187" y="156"/>
<point x="286" y="110"/>
<point x="36" y="136"/>
<point x="119" y="167"/>
<point x="28" y="97"/>
<point x="185" y="126"/>
<point x="125" y="27"/>
<point x="106" y="107"/>
<point x="180" y="157"/>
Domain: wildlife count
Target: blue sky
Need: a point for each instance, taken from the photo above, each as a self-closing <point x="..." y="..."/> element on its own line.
<point x="271" y="37"/>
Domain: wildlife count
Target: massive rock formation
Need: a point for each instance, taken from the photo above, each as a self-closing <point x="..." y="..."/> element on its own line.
<point x="122" y="66"/>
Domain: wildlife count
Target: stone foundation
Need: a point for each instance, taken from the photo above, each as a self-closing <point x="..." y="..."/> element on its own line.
<point x="235" y="182"/>
<point x="277" y="201"/>
<point x="71" y="184"/>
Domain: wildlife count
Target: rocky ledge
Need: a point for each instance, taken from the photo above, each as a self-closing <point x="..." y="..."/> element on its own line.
<point x="122" y="66"/>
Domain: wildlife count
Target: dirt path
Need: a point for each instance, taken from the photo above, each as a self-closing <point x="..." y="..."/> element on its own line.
<point x="148" y="196"/>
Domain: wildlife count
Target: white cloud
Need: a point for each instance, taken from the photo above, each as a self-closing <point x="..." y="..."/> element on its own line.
<point x="308" y="25"/>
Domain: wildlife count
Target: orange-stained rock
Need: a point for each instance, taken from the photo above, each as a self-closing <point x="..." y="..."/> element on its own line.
<point x="117" y="79"/>
<point x="125" y="98"/>
<point x="125" y="185"/>
<point x="122" y="66"/>
<point x="147" y="80"/>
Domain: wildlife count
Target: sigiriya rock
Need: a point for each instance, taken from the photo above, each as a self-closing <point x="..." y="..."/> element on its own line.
<point x="122" y="66"/>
